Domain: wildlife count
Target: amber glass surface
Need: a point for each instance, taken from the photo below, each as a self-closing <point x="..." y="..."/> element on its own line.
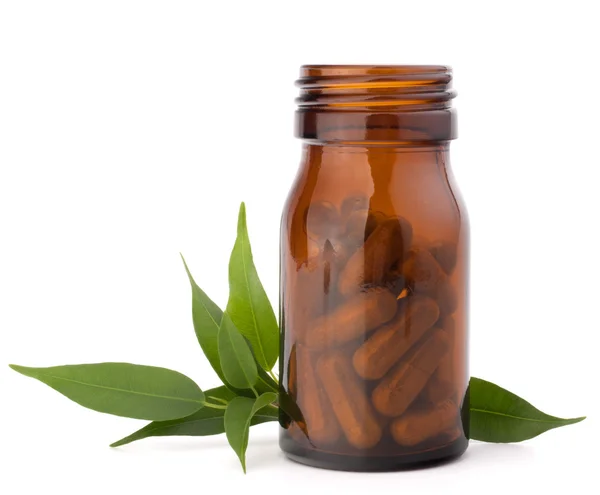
<point x="374" y="273"/>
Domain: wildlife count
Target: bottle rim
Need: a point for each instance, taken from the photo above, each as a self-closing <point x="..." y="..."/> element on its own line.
<point x="389" y="102"/>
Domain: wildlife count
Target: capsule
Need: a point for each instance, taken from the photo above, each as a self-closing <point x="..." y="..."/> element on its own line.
<point x="359" y="226"/>
<point x="321" y="425"/>
<point x="388" y="344"/>
<point x="416" y="427"/>
<point x="370" y="264"/>
<point x="349" y="401"/>
<point x="322" y="220"/>
<point x="445" y="370"/>
<point x="438" y="389"/>
<point x="353" y="204"/>
<point x="401" y="386"/>
<point x="427" y="277"/>
<point x="352" y="319"/>
<point x="445" y="254"/>
<point x="442" y="386"/>
<point x="396" y="282"/>
<point x="308" y="300"/>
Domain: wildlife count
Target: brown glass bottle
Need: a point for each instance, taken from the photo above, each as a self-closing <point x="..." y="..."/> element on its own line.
<point x="374" y="273"/>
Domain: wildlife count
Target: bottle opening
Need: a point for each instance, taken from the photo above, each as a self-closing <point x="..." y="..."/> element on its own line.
<point x="375" y="103"/>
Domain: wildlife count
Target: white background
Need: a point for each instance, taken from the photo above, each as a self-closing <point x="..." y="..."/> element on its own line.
<point x="130" y="131"/>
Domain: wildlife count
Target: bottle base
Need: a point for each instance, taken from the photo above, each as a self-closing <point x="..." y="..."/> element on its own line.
<point x="339" y="462"/>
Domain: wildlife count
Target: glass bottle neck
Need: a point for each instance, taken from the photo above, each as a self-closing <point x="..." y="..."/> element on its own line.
<point x="375" y="104"/>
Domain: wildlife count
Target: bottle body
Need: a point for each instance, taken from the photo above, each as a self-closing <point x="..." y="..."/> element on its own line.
<point x="374" y="304"/>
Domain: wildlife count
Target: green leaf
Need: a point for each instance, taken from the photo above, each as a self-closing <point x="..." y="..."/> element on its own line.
<point x="238" y="416"/>
<point x="265" y="382"/>
<point x="207" y="320"/>
<point x="248" y="304"/>
<point x="236" y="358"/>
<point x="123" y="389"/>
<point x="206" y="421"/>
<point x="206" y="316"/>
<point x="500" y="416"/>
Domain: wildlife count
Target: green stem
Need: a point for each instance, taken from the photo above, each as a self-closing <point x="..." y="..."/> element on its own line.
<point x="213" y="406"/>
<point x="216" y="399"/>
<point x="255" y="392"/>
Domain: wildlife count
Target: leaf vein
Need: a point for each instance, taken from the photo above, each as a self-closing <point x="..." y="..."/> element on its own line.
<point x="557" y="421"/>
<point x="134" y="392"/>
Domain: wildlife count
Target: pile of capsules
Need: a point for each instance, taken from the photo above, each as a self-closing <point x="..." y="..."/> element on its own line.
<point x="372" y="332"/>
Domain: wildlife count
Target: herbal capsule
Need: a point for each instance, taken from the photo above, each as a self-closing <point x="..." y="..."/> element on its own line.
<point x="416" y="427"/>
<point x="352" y="319"/>
<point x="404" y="383"/>
<point x="322" y="220"/>
<point x="359" y="226"/>
<point x="444" y="374"/>
<point x="349" y="401"/>
<point x="445" y="254"/>
<point x="321" y="425"/>
<point x="427" y="277"/>
<point x="389" y="343"/>
<point x="442" y="386"/>
<point x="438" y="389"/>
<point x="354" y="204"/>
<point x="372" y="262"/>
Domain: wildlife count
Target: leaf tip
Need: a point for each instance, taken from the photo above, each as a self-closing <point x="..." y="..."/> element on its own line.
<point x="184" y="263"/>
<point x="187" y="270"/>
<point x="242" y="217"/>
<point x="17" y="368"/>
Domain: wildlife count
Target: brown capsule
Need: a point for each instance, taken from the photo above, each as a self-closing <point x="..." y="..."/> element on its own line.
<point x="388" y="344"/>
<point x="445" y="370"/>
<point x="306" y="300"/>
<point x="416" y="427"/>
<point x="380" y="218"/>
<point x="438" y="389"/>
<point x="322" y="220"/>
<point x="353" y="204"/>
<point x="321" y="425"/>
<point x="350" y="404"/>
<point x="449" y="326"/>
<point x="401" y="386"/>
<point x="370" y="264"/>
<point x="352" y="319"/>
<point x="324" y="251"/>
<point x="426" y="276"/>
<point x="396" y="282"/>
<point x="423" y="271"/>
<point x="359" y="226"/>
<point x="447" y="299"/>
<point x="445" y="254"/>
<point x="420" y="242"/>
<point x="441" y="386"/>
